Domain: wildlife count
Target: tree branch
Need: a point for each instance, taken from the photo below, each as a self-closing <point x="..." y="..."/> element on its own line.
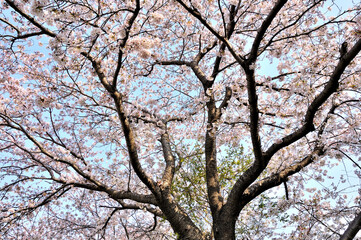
<point x="127" y="130"/>
<point x="30" y="19"/>
<point x="353" y="228"/>
<point x="320" y="99"/>
<point x="262" y="30"/>
<point x="170" y="162"/>
<point x="119" y="195"/>
<point x="124" y="41"/>
<point x="197" y="15"/>
<point x="278" y="178"/>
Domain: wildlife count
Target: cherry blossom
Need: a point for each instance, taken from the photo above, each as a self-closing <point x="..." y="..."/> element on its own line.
<point x="180" y="119"/>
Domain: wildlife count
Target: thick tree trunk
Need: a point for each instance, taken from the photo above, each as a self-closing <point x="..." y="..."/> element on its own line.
<point x="179" y="220"/>
<point x="224" y="229"/>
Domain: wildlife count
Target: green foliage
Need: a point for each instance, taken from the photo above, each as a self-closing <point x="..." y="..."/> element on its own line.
<point x="234" y="162"/>
<point x="189" y="188"/>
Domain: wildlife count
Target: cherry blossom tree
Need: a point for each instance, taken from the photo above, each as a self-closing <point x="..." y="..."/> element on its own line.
<point x="180" y="119"/>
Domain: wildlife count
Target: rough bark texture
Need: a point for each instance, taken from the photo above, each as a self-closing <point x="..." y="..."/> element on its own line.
<point x="353" y="228"/>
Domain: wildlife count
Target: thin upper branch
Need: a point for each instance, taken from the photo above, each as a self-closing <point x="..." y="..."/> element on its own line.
<point x="31" y="19"/>
<point x="198" y="15"/>
<point x="194" y="66"/>
<point x="262" y="30"/>
<point x="131" y="21"/>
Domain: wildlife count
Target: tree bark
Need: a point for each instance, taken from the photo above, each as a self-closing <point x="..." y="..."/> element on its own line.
<point x="225" y="228"/>
<point x="353" y="228"/>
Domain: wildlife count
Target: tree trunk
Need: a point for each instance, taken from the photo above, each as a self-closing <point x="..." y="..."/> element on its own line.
<point x="224" y="229"/>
